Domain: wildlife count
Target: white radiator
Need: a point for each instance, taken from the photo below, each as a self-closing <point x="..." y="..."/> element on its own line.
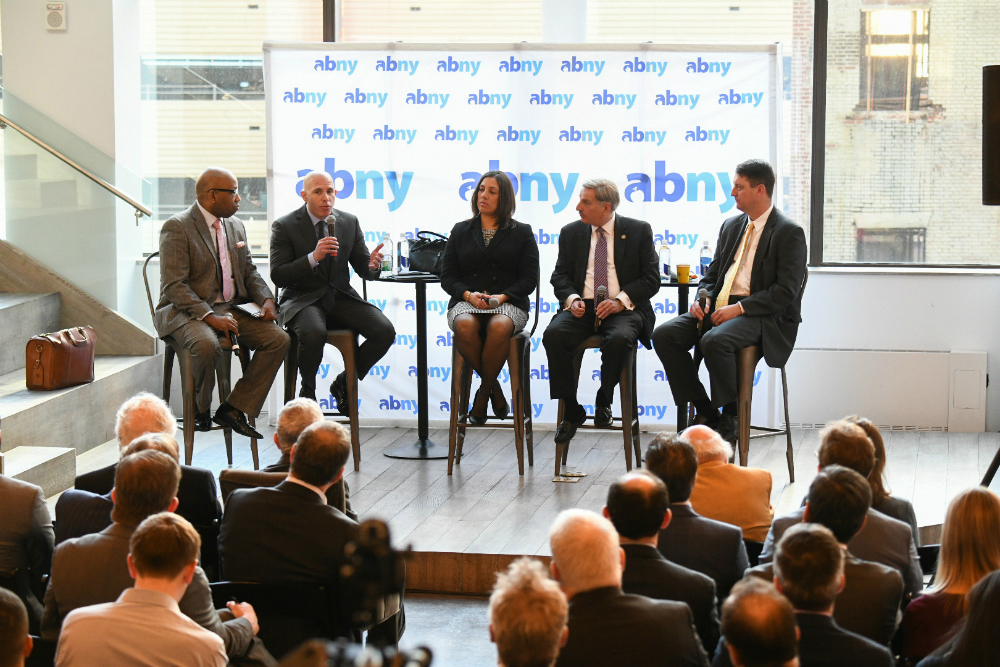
<point x="897" y="389"/>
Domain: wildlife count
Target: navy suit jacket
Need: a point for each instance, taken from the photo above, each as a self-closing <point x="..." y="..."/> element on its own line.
<point x="80" y="513"/>
<point x="704" y="545"/>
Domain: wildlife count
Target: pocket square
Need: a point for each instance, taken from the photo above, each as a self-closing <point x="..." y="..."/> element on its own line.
<point x="240" y="244"/>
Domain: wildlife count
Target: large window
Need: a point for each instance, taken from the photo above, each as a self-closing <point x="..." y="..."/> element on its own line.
<point x="894" y="59"/>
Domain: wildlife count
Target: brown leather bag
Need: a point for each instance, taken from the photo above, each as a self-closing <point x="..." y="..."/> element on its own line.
<point x="61" y="359"/>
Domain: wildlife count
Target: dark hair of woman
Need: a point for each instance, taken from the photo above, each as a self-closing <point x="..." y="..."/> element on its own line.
<point x="876" y="478"/>
<point x="976" y="641"/>
<point x="507" y="204"/>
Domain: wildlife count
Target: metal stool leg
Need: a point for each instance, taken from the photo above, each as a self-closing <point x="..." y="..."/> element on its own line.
<point x="746" y="363"/>
<point x="517" y="401"/>
<point x="560" y="447"/>
<point x="187" y="397"/>
<point x="788" y="427"/>
<point x="291" y="366"/>
<point x="635" y="415"/>
<point x="223" y="375"/>
<point x="463" y="410"/>
<point x="529" y="439"/>
<point x="457" y="371"/>
<point x="624" y="394"/>
<point x="168" y="372"/>
<point x="352" y="396"/>
<point x="244" y="363"/>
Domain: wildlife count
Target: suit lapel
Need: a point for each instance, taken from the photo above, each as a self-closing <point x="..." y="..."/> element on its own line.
<point x="583" y="255"/>
<point x="762" y="244"/>
<point x="735" y="246"/>
<point x="476" y="229"/>
<point x="201" y="226"/>
<point x="620" y="238"/>
<point x="231" y="244"/>
<point x="502" y="234"/>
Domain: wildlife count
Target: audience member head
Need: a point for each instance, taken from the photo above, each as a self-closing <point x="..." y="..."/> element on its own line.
<point x="809" y="567"/>
<point x="759" y="625"/>
<point x="846" y="444"/>
<point x="160" y="442"/>
<point x="319" y="454"/>
<point x="876" y="478"/>
<point x="164" y="548"/>
<point x="143" y="413"/>
<point x="15" y="644"/>
<point x="976" y="640"/>
<point x="145" y="483"/>
<point x="528" y="616"/>
<point x="585" y="552"/>
<point x="707" y="444"/>
<point x="970" y="541"/>
<point x="839" y="499"/>
<point x="675" y="462"/>
<point x="638" y="505"/>
<point x="293" y="418"/>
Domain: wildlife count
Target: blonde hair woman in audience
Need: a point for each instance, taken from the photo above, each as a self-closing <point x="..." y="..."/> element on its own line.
<point x="970" y="549"/>
<point x="892" y="506"/>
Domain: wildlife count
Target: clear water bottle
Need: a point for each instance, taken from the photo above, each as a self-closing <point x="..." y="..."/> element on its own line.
<point x="387" y="255"/>
<point x="706" y="259"/>
<point x="665" y="261"/>
<point x="403" y="253"/>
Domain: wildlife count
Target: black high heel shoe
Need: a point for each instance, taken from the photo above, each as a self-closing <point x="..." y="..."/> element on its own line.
<point x="503" y="409"/>
<point x="473" y="419"/>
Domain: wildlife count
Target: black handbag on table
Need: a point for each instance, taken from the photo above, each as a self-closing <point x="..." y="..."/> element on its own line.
<point x="427" y="252"/>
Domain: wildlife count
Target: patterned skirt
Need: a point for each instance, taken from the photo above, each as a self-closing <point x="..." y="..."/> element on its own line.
<point x="519" y="317"/>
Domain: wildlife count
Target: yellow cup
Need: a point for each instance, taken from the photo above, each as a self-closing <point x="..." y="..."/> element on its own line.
<point x="683" y="273"/>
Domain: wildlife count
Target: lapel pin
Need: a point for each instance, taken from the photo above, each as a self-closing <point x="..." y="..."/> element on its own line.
<point x="623" y="236"/>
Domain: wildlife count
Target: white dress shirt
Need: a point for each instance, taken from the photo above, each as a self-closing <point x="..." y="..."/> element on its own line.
<point x="741" y="284"/>
<point x="315" y="489"/>
<point x="329" y="230"/>
<point x="614" y="289"/>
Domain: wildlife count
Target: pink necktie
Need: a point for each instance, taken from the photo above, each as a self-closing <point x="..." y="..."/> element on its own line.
<point x="228" y="288"/>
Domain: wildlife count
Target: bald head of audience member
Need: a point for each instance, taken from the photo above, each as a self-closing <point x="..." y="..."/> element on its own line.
<point x="708" y="445"/>
<point x="585" y="552"/>
<point x="809" y="568"/>
<point x="319" y="454"/>
<point x="528" y="616"/>
<point x="146" y="483"/>
<point x="638" y="507"/>
<point x="759" y="625"/>
<point x="15" y="643"/>
<point x="163" y="554"/>
<point x="293" y="418"/>
<point x="675" y="462"/>
<point x="141" y="414"/>
<point x="847" y="444"/>
<point x="839" y="499"/>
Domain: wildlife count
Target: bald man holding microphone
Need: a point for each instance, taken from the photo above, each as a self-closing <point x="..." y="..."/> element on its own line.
<point x="311" y="249"/>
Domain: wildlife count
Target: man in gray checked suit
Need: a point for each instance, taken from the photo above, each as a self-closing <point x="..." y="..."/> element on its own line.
<point x="199" y="290"/>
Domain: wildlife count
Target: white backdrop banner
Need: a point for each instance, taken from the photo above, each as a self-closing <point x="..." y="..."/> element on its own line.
<point x="407" y="130"/>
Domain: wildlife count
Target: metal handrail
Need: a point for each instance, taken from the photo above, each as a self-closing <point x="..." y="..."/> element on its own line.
<point x="140" y="210"/>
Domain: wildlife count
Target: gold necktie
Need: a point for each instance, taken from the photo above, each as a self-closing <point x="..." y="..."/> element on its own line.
<point x="727" y="286"/>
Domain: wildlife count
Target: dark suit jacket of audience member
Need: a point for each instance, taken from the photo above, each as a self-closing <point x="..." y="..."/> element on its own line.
<point x="881" y="540"/>
<point x="282" y="534"/>
<point x="826" y="644"/>
<point x="80" y="513"/>
<point x="707" y="546"/>
<point x="609" y="628"/>
<point x="869" y="603"/>
<point x="284" y="465"/>
<point x="26" y="542"/>
<point x="93" y="570"/>
<point x="508" y="265"/>
<point x="648" y="573"/>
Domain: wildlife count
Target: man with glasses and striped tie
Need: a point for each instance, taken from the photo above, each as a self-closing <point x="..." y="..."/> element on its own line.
<point x="605" y="276"/>
<point x="755" y="283"/>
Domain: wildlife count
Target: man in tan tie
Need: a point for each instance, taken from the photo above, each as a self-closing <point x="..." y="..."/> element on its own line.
<point x="755" y="283"/>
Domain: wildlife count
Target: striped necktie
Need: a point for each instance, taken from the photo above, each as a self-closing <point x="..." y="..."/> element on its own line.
<point x="727" y="286"/>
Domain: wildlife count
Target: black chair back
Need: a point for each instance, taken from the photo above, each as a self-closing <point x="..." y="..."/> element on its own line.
<point x="928" y="554"/>
<point x="753" y="551"/>
<point x="43" y="654"/>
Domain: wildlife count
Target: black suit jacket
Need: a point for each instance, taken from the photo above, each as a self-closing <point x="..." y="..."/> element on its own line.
<point x="776" y="279"/>
<point x="648" y="573"/>
<point x="282" y="534"/>
<point x="635" y="264"/>
<point x="825" y="644"/>
<point x="293" y="237"/>
<point x="704" y="545"/>
<point x="608" y="628"/>
<point x="509" y="265"/>
<point x="80" y="513"/>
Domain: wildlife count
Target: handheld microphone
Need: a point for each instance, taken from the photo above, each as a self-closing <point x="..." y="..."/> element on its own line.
<point x="705" y="301"/>
<point x="234" y="341"/>
<point x="493" y="302"/>
<point x="602" y="292"/>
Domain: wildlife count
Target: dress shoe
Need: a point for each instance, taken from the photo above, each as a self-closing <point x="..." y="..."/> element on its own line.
<point x="473" y="419"/>
<point x="500" y="408"/>
<point x="602" y="416"/>
<point x="203" y="421"/>
<point x="567" y="428"/>
<point x="727" y="428"/>
<point x="229" y="417"/>
<point x="338" y="389"/>
<point x="306" y="393"/>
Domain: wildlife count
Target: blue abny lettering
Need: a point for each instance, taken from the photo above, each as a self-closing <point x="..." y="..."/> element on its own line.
<point x="657" y="67"/>
<point x="574" y="65"/>
<point x="607" y="99"/>
<point x="635" y="135"/>
<point x="346" y="187"/>
<point x="535" y="181"/>
<point x="705" y="67"/>
<point x="698" y="134"/>
<point x="390" y="65"/>
<point x="387" y="133"/>
<point x="686" y="240"/>
<point x="510" y="134"/>
<point x="543" y="98"/>
<point x="452" y="65"/>
<point x="669" y="99"/>
<point x="448" y="134"/>
<point x="732" y="97"/>
<point x="336" y="133"/>
<point x="420" y="97"/>
<point x="358" y="97"/>
<point x="589" y="136"/>
<point x="301" y="97"/>
<point x="656" y="189"/>
<point x="532" y="67"/>
<point x="482" y="98"/>
<point x="331" y="65"/>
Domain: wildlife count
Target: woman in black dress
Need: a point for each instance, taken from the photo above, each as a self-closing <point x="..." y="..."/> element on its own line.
<point x="489" y="257"/>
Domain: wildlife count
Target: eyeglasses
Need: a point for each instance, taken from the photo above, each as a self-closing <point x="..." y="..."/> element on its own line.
<point x="232" y="192"/>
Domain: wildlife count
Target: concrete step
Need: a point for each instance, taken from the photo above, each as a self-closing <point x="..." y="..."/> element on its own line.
<point x="52" y="468"/>
<point x="80" y="417"/>
<point x="21" y="317"/>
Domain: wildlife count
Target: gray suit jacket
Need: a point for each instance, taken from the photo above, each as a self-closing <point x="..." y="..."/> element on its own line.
<point x="190" y="272"/>
<point x="26" y="539"/>
<point x="881" y="540"/>
<point x="93" y="570"/>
